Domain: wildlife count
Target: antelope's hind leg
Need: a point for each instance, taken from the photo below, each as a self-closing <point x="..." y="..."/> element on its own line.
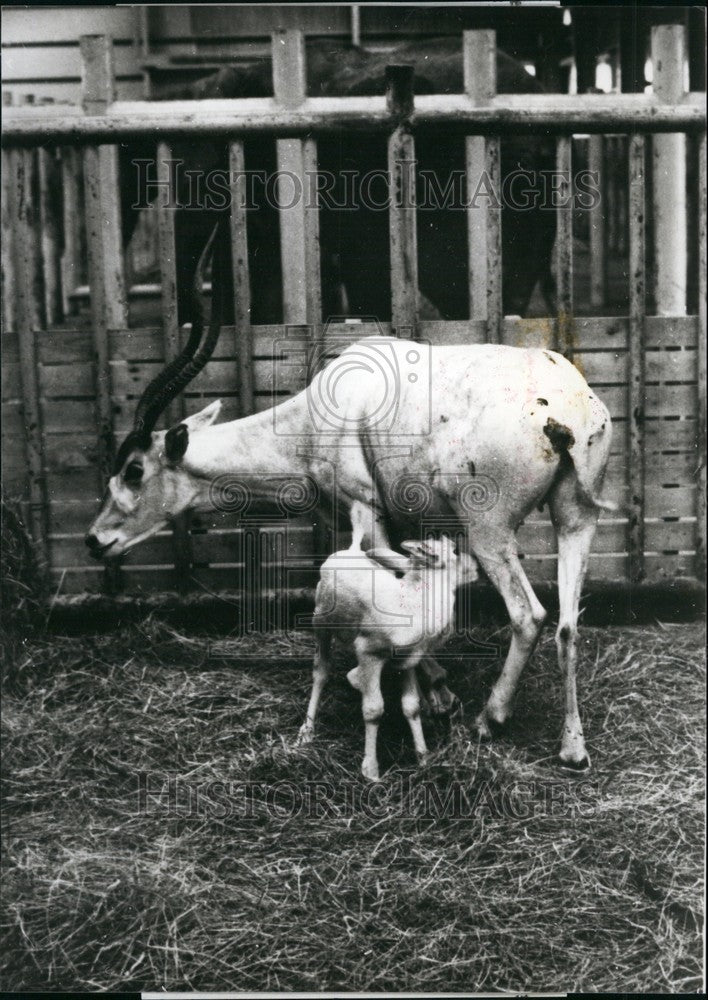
<point x="575" y="527"/>
<point x="502" y="566"/>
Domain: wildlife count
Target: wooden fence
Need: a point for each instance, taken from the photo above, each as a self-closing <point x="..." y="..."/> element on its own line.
<point x="70" y="385"/>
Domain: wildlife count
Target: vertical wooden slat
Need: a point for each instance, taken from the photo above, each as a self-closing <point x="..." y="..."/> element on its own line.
<point x="71" y="225"/>
<point x="702" y="349"/>
<point x="23" y="223"/>
<point x="402" y="203"/>
<point x="669" y="176"/>
<point x="356" y="25"/>
<point x="39" y="319"/>
<point x="8" y="257"/>
<point x="299" y="218"/>
<point x="241" y="281"/>
<point x="479" y="61"/>
<point x="609" y="193"/>
<point x="251" y="578"/>
<point x="495" y="311"/>
<point x="168" y="268"/>
<point x="297" y="167"/>
<point x="109" y="308"/>
<point x="50" y="234"/>
<point x="637" y="357"/>
<point x="181" y="539"/>
<point x="598" y="271"/>
<point x="564" y="246"/>
<point x="622" y="193"/>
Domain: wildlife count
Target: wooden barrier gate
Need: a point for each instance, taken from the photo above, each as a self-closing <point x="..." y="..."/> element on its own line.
<point x="69" y="388"/>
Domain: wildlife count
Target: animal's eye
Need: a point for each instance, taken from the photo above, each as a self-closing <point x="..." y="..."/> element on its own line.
<point x="133" y="472"/>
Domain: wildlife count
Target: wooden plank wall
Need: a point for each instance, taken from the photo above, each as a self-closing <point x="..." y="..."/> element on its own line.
<point x="56" y="379"/>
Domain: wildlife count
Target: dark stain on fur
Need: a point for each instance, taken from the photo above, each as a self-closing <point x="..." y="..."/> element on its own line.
<point x="541" y="401"/>
<point x="443" y="418"/>
<point x="550" y="357"/>
<point x="471" y="468"/>
<point x="560" y="436"/>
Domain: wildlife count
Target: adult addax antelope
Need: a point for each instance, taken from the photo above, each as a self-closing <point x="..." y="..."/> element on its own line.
<point x="487" y="431"/>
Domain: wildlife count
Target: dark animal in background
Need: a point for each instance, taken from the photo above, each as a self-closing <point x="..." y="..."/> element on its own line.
<point x="355" y="244"/>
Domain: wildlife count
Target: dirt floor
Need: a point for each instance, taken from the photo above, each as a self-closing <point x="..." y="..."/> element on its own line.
<point x="161" y="832"/>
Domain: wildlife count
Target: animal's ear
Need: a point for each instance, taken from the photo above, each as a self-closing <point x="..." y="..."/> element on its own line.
<point x="205" y="417"/>
<point x="176" y="441"/>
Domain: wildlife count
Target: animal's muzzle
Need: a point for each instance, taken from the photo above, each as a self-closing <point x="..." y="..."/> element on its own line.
<point x="96" y="550"/>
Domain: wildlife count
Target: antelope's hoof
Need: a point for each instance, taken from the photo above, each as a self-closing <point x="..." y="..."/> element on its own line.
<point x="370" y="769"/>
<point x="576" y="766"/>
<point x="488" y="728"/>
<point x="305" y="736"/>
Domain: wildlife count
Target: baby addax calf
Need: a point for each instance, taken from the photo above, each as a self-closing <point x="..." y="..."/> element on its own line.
<point x="390" y="618"/>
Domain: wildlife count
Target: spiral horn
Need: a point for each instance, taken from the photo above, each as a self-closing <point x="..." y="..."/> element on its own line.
<point x="179" y="372"/>
<point x="154" y="399"/>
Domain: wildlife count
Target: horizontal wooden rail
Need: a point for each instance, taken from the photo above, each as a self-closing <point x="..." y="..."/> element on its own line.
<point x="504" y="114"/>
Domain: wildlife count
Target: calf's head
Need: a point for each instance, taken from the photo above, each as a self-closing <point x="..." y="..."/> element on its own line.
<point x="440" y="554"/>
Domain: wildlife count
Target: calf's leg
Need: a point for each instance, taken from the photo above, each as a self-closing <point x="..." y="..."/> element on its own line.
<point x="366" y="677"/>
<point x="410" y="703"/>
<point x="320" y="673"/>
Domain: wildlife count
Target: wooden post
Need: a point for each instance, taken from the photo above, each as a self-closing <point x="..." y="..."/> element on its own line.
<point x="8" y="257"/>
<point x="637" y="357"/>
<point x="669" y="174"/>
<point x="598" y="263"/>
<point x="402" y="203"/>
<point x="702" y="348"/>
<point x="23" y="221"/>
<point x="479" y="62"/>
<point x="243" y="334"/>
<point x="564" y="246"/>
<point x="165" y="205"/>
<point x="109" y="309"/>
<point x="296" y="191"/>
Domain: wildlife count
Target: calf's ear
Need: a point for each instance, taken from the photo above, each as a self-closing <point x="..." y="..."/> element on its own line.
<point x="176" y="441"/>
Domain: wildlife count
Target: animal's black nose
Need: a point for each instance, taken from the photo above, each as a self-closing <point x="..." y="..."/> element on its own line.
<point x="91" y="542"/>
